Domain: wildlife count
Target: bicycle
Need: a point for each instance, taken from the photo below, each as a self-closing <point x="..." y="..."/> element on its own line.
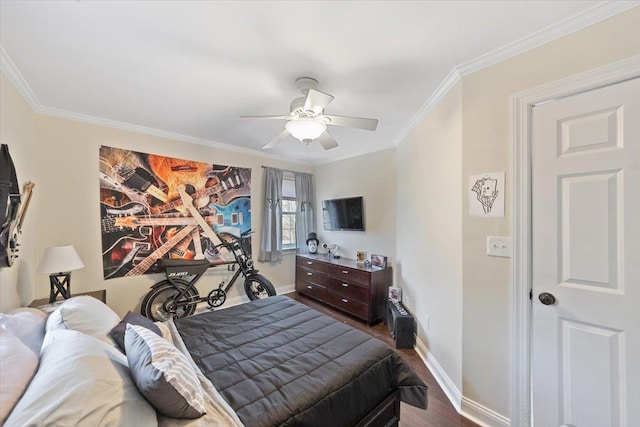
<point x="176" y="297"/>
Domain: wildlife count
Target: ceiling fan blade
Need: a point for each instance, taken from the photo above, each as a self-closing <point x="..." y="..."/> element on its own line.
<point x="265" y="117"/>
<point x="327" y="141"/>
<point x="353" y="122"/>
<point x="282" y="135"/>
<point x="317" y="101"/>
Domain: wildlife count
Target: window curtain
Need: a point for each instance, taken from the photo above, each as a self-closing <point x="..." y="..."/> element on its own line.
<point x="304" y="208"/>
<point x="271" y="238"/>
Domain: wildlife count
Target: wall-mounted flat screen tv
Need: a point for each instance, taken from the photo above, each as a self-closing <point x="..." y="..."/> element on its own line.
<point x="343" y="214"/>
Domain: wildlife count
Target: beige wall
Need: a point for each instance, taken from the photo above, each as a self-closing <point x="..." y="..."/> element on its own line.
<point x="61" y="156"/>
<point x="429" y="230"/>
<point x="18" y="132"/>
<point x="486" y="148"/>
<point x="372" y="176"/>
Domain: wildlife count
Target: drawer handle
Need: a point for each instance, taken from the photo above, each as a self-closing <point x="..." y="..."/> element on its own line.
<point x="309" y="274"/>
<point x="310" y="262"/>
<point x="345" y="285"/>
<point x="344" y="300"/>
<point x="309" y="287"/>
<point x="345" y="272"/>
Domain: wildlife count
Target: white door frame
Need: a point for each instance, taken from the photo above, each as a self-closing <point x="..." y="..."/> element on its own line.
<point x="521" y="309"/>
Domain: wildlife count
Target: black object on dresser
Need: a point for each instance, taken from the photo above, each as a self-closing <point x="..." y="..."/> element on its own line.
<point x="342" y="283"/>
<point x="401" y="324"/>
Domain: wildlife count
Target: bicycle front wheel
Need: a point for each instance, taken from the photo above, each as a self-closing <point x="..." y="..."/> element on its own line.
<point x="257" y="286"/>
<point x="160" y="303"/>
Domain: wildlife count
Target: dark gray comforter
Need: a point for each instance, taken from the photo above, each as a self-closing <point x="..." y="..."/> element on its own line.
<point x="278" y="362"/>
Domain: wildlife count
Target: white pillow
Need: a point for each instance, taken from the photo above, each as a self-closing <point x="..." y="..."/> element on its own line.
<point x="27" y="324"/>
<point x="84" y="314"/>
<point x="81" y="381"/>
<point x="18" y="363"/>
<point x="165" y="331"/>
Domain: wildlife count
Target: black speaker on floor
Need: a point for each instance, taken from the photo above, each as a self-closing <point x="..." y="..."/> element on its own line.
<point x="401" y="324"/>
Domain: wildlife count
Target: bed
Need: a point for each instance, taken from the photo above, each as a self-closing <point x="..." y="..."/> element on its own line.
<point x="269" y="362"/>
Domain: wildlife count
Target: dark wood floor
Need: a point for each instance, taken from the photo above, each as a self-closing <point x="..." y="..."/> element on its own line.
<point x="440" y="412"/>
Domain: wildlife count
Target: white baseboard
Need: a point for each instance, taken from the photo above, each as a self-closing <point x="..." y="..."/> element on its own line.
<point x="482" y="415"/>
<point x="466" y="407"/>
<point x="285" y="289"/>
<point x="449" y="388"/>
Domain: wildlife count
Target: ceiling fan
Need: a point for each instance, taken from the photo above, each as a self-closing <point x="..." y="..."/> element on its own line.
<point x="307" y="121"/>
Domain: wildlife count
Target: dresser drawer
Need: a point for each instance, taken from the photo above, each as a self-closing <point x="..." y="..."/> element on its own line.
<point x="349" y="305"/>
<point x="314" y="276"/>
<point x="311" y="264"/>
<point x="353" y="275"/>
<point x="348" y="289"/>
<point x="311" y="289"/>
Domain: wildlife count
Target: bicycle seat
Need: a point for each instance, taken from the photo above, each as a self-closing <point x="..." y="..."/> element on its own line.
<point x="167" y="262"/>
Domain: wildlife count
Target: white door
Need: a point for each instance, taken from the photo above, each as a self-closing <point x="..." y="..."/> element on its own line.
<point x="586" y="255"/>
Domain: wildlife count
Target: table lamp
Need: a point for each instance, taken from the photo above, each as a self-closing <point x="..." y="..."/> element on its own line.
<point x="58" y="262"/>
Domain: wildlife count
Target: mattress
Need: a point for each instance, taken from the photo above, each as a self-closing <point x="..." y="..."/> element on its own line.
<point x="279" y="362"/>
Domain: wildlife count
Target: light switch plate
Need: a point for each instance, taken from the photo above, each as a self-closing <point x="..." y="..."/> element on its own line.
<point x="499" y="246"/>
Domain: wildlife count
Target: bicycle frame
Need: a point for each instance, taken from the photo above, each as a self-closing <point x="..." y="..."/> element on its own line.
<point x="177" y="269"/>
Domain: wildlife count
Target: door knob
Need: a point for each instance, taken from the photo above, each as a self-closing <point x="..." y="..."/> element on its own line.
<point x="546" y="298"/>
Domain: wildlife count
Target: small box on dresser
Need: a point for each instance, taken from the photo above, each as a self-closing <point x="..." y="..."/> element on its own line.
<point x="344" y="284"/>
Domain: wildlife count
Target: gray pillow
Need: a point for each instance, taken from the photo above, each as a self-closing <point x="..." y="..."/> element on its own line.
<point x="117" y="333"/>
<point x="163" y="374"/>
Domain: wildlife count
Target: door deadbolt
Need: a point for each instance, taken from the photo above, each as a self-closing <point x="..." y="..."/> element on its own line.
<point x="546" y="298"/>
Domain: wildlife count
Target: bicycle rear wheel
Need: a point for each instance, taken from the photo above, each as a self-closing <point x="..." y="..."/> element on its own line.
<point x="160" y="305"/>
<point x="257" y="286"/>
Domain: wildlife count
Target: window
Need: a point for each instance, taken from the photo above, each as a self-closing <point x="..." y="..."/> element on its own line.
<point x="288" y="211"/>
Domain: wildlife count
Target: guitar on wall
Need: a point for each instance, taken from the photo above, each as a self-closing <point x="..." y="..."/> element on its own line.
<point x="123" y="259"/>
<point x="9" y="235"/>
<point x="222" y="186"/>
<point x="140" y="180"/>
<point x="113" y="193"/>
<point x="150" y="260"/>
<point x="234" y="218"/>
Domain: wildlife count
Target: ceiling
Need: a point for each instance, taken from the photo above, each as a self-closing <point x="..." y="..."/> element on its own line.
<point x="187" y="70"/>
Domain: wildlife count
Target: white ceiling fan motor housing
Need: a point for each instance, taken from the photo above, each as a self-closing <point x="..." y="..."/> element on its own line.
<point x="306" y="83"/>
<point x="297" y="106"/>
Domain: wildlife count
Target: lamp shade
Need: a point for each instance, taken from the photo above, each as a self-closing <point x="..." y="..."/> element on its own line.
<point x="305" y="128"/>
<point x="60" y="259"/>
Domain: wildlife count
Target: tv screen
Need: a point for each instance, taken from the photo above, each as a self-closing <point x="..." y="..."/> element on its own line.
<point x="343" y="214"/>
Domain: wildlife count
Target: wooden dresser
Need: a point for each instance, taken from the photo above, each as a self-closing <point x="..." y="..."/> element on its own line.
<point x="344" y="284"/>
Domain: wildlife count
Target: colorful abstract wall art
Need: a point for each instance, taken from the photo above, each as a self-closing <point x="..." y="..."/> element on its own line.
<point x="143" y="217"/>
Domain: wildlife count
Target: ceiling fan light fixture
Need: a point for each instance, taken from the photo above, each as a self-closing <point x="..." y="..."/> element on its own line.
<point x="305" y="129"/>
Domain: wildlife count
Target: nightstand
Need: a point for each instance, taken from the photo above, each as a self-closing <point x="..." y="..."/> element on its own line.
<point x="43" y="303"/>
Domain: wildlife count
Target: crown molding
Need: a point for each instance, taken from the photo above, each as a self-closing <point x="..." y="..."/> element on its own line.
<point x="351" y="155"/>
<point x="593" y="15"/>
<point x="15" y="77"/>
<point x="590" y="16"/>
<point x="452" y="78"/>
<point x="160" y="133"/>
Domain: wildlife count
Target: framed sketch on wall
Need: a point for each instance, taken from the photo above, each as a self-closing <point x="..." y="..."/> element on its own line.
<point x="486" y="194"/>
